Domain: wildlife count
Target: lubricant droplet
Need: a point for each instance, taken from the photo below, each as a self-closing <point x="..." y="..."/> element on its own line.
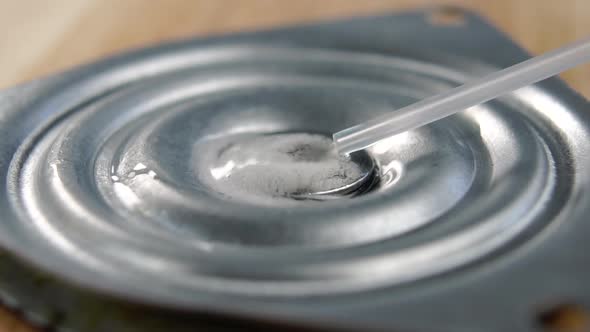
<point x="287" y="165"/>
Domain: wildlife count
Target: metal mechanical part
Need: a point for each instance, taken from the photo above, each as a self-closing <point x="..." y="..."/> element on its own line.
<point x="470" y="224"/>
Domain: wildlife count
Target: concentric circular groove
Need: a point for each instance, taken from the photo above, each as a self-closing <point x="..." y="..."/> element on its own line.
<point x="118" y="188"/>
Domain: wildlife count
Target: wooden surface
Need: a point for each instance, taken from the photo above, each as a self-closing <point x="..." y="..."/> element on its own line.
<point x="42" y="37"/>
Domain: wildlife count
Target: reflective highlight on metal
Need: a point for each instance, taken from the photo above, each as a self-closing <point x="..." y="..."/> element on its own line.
<point x="101" y="182"/>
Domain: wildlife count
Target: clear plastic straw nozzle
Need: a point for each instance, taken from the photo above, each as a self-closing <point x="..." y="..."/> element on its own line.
<point x="476" y="92"/>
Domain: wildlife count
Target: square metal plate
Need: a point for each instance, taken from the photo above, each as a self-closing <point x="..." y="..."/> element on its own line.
<point x="501" y="295"/>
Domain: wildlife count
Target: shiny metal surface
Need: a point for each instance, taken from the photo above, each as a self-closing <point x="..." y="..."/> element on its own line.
<point x="280" y="168"/>
<point x="103" y="174"/>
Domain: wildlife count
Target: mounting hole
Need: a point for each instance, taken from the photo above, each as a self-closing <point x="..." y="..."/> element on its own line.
<point x="447" y="16"/>
<point x="565" y="318"/>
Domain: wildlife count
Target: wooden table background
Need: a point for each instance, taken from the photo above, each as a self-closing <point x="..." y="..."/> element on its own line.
<point x="43" y="37"/>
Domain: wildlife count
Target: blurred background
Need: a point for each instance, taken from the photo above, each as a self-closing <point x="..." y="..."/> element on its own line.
<point x="38" y="38"/>
<point x="43" y="37"/>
